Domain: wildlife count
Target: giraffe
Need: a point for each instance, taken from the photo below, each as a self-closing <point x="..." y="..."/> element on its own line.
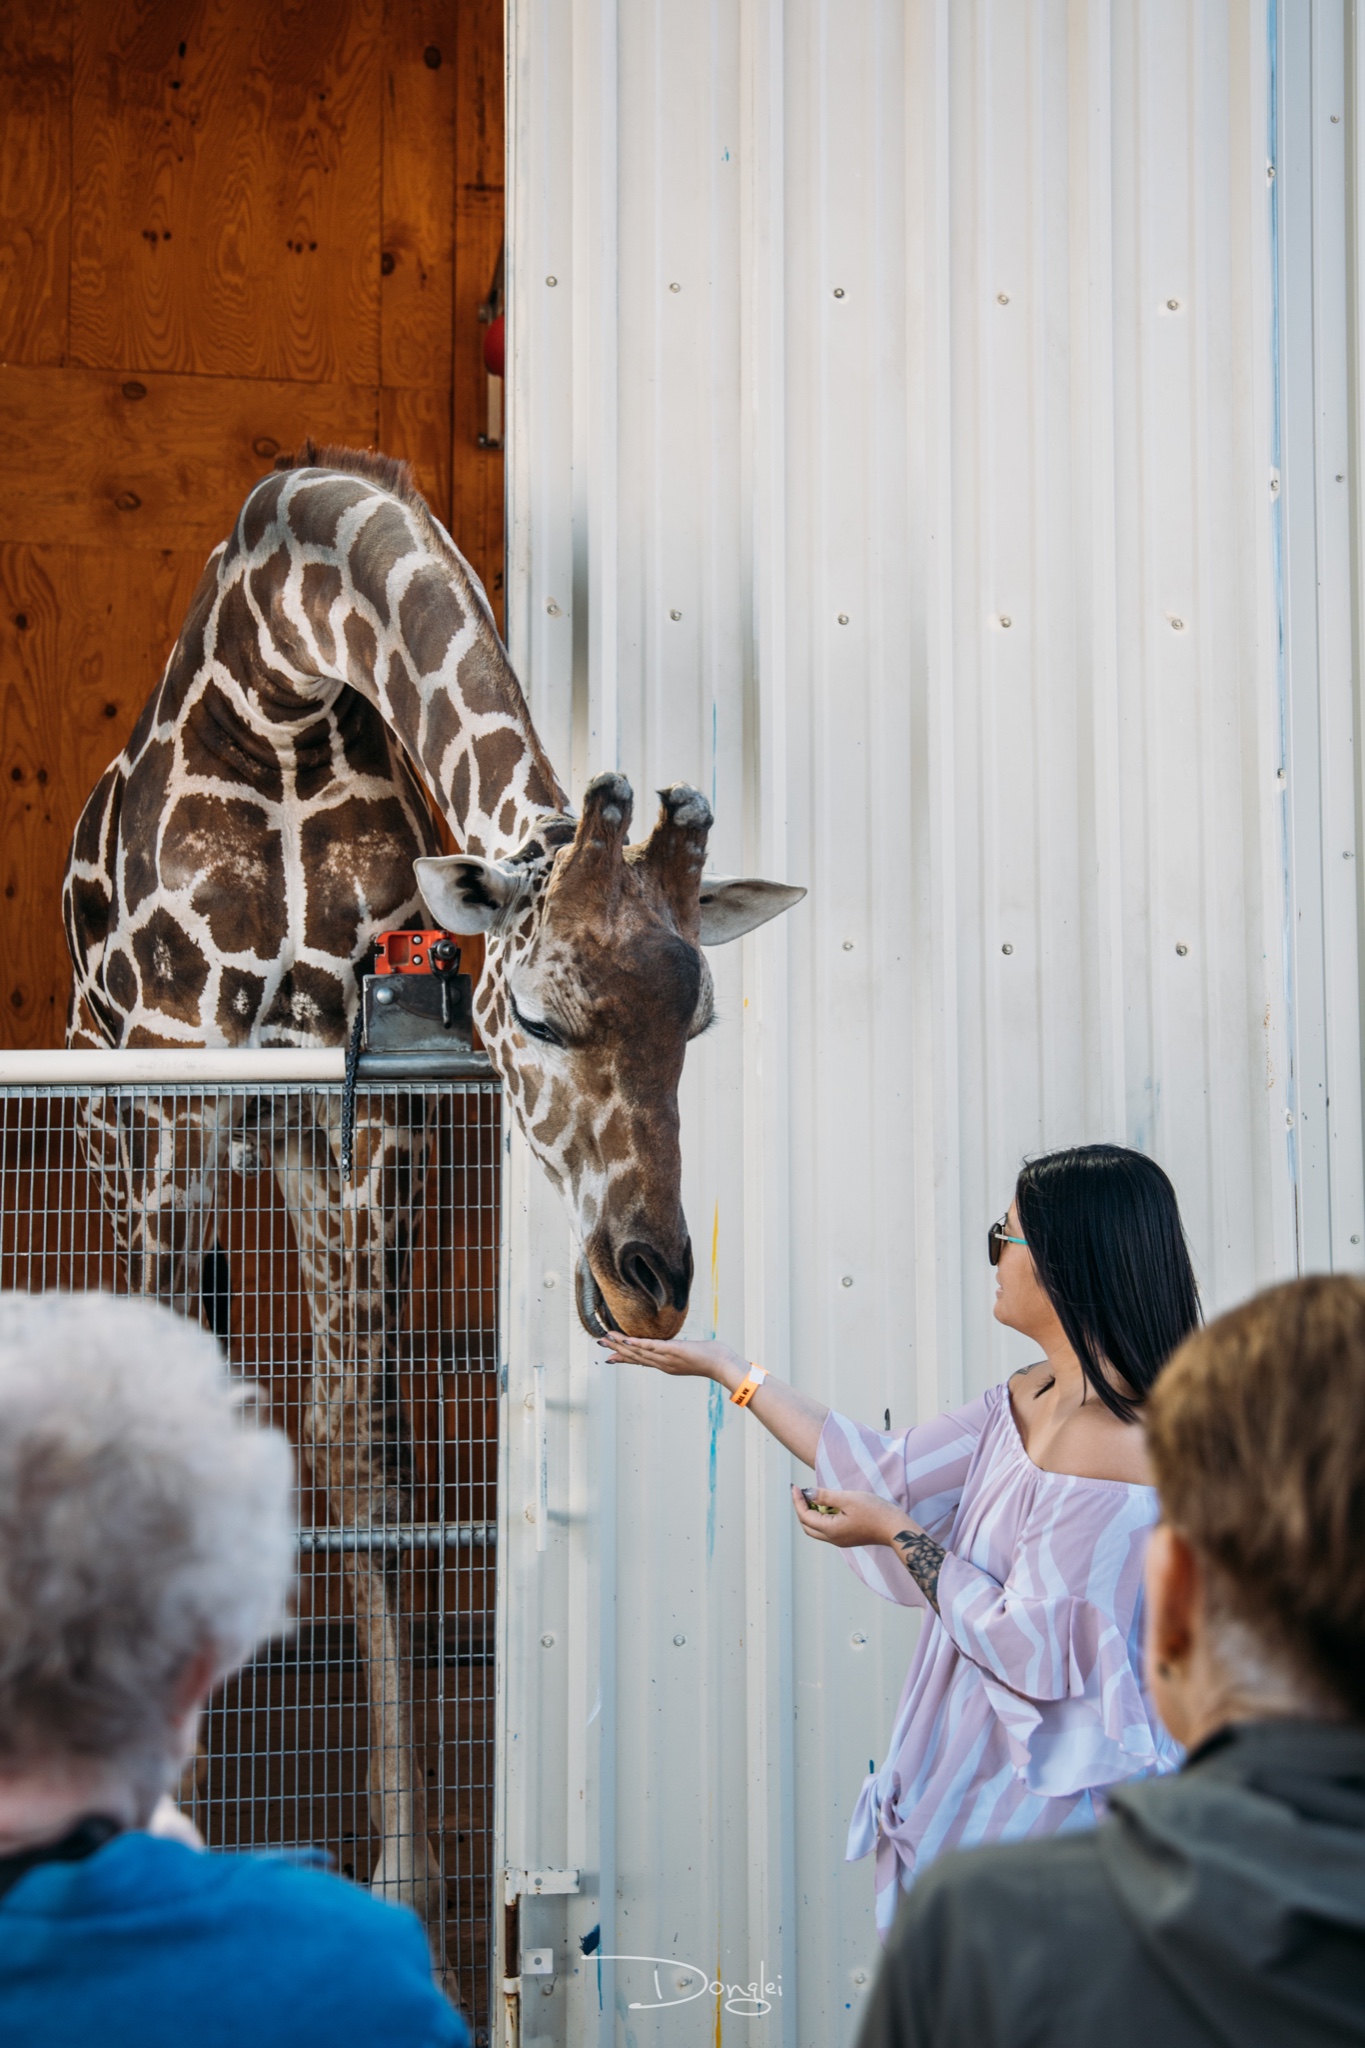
<point x="226" y="881"/>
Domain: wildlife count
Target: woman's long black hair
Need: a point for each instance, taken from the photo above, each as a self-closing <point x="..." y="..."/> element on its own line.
<point x="1110" y="1253"/>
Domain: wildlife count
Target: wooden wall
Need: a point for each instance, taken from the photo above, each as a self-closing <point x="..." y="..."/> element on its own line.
<point x="224" y="225"/>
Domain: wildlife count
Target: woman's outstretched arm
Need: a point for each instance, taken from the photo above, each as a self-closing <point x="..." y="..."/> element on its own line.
<point x="794" y="1420"/>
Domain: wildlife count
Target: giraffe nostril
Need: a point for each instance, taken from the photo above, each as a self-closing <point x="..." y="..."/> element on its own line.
<point x="642" y="1271"/>
<point x="648" y="1273"/>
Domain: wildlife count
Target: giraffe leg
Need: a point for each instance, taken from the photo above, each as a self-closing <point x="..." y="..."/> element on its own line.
<point x="407" y="1869"/>
<point x="353" y="1243"/>
<point x="156" y="1161"/>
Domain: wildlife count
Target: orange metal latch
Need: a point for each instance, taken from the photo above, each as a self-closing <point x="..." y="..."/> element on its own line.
<point x="416" y="953"/>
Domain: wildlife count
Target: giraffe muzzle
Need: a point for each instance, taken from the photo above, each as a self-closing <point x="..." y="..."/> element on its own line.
<point x="646" y="1294"/>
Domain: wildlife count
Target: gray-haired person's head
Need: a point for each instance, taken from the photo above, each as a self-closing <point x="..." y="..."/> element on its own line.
<point x="145" y="1522"/>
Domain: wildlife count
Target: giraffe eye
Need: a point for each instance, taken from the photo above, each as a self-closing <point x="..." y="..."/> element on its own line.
<point x="535" y="1027"/>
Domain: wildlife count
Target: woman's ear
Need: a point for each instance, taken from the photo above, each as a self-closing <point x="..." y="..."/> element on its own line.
<point x="1173" y="1588"/>
<point x="1175" y="1622"/>
<point x="192" y="1689"/>
<point x="196" y="1681"/>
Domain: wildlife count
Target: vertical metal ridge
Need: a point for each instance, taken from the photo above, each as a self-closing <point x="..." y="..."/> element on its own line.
<point x="596" y="311"/>
<point x="1098" y="588"/>
<point x="768" y="1694"/>
<point x="937" y="1037"/>
<point x="1319" y="689"/>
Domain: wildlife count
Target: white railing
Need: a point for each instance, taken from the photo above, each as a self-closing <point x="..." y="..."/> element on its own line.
<point x="176" y="1066"/>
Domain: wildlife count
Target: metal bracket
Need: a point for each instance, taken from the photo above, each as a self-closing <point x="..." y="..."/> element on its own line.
<point x="416" y="1013"/>
<point x="538" y="1884"/>
<point x="519" y="1885"/>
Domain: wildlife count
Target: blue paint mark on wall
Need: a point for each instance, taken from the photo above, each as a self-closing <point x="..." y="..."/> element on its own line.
<point x="715" y="1406"/>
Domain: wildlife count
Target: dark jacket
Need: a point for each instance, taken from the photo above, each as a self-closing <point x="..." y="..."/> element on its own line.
<point x="1225" y="1904"/>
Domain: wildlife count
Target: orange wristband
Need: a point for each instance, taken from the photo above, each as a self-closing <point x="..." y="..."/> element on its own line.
<point x="748" y="1386"/>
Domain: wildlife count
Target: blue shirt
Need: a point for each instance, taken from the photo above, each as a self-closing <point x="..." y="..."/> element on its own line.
<point x="148" y="1944"/>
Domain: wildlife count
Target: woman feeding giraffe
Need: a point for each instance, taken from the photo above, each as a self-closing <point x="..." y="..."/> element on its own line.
<point x="1020" y="1523"/>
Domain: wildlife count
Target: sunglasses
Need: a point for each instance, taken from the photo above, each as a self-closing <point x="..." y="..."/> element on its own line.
<point x="997" y="1237"/>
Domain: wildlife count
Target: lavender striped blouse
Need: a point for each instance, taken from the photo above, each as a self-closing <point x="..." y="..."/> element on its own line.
<point x="1024" y="1697"/>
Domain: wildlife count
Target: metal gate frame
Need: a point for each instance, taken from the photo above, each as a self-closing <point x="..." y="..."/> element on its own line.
<point x="247" y="1786"/>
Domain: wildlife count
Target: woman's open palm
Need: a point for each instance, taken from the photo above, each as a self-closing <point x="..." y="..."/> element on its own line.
<point x="669" y="1354"/>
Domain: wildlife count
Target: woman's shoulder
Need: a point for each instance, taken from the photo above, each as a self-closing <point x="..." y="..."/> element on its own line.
<point x="1111" y="1451"/>
<point x="1093" y="1444"/>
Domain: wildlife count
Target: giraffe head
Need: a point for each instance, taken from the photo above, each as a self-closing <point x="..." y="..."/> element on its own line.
<point x="594" y="982"/>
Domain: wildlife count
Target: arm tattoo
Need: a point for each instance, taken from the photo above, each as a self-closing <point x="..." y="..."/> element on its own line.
<point x="923" y="1559"/>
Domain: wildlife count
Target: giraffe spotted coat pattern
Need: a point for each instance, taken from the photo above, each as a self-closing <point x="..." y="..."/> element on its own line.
<point x="234" y="864"/>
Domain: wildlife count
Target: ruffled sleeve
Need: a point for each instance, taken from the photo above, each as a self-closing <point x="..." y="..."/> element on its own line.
<point x="921" y="1470"/>
<point x="1057" y="1642"/>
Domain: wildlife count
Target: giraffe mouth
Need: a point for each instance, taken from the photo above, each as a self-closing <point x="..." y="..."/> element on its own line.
<point x="593" y="1311"/>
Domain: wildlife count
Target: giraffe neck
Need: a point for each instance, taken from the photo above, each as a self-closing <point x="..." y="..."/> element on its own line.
<point x="331" y="580"/>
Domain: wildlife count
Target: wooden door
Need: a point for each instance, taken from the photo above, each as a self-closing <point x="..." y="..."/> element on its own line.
<point x="224" y="226"/>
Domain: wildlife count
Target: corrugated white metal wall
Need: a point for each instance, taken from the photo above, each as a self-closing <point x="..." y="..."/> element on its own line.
<point x="1316" y="278"/>
<point x="895" y="419"/>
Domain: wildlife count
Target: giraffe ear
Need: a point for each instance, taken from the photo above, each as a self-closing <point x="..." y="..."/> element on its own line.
<point x="466" y="894"/>
<point x="730" y="908"/>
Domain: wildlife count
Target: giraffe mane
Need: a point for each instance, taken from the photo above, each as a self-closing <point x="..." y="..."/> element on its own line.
<point x="388" y="471"/>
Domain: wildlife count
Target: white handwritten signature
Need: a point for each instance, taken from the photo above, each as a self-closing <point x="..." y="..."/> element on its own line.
<point x="746" y="2001"/>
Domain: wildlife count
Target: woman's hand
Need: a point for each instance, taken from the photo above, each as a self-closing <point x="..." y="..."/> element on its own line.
<point x="864" y="1518"/>
<point x="667" y="1354"/>
<point x="856" y="1518"/>
<point x="794" y="1419"/>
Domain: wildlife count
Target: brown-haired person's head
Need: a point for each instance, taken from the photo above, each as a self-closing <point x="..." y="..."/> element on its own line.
<point x="1256" y="1576"/>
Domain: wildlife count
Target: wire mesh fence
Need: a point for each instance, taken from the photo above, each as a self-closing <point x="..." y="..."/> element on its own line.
<point x="366" y="1309"/>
